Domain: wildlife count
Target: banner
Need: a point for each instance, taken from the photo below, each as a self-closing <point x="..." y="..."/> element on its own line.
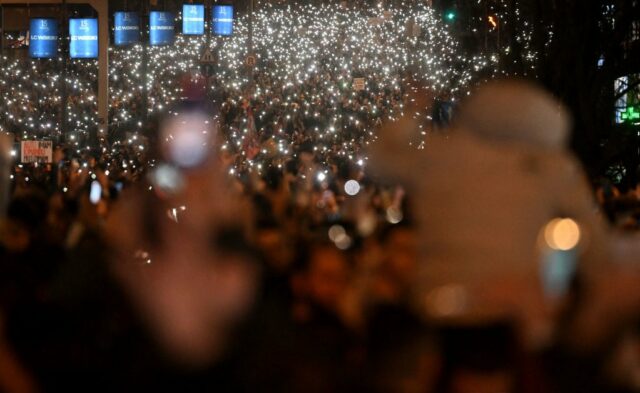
<point x="126" y="28"/>
<point x="161" y="28"/>
<point x="36" y="151"/>
<point x="44" y="38"/>
<point x="223" y="19"/>
<point x="193" y="19"/>
<point x="84" y="38"/>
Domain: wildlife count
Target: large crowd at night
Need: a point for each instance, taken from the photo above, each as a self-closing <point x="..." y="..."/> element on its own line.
<point x="295" y="241"/>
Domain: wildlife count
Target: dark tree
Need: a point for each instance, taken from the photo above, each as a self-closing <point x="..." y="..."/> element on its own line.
<point x="577" y="49"/>
<point x="584" y="46"/>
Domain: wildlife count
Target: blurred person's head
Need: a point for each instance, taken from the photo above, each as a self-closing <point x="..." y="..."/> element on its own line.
<point x="327" y="275"/>
<point x="274" y="245"/>
<point x="60" y="216"/>
<point x="398" y="265"/>
<point x="272" y="179"/>
<point x="291" y="168"/>
<point x="479" y="358"/>
<point x="306" y="153"/>
<point x="401" y="242"/>
<point x="14" y="235"/>
<point x="24" y="222"/>
<point x="402" y="353"/>
<point x="606" y="191"/>
<point x="515" y="111"/>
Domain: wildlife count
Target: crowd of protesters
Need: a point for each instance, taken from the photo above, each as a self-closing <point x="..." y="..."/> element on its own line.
<point x="33" y="92"/>
<point x="307" y="274"/>
<point x="294" y="252"/>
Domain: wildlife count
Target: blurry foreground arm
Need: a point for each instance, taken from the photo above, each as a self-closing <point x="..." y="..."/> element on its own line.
<point x="184" y="263"/>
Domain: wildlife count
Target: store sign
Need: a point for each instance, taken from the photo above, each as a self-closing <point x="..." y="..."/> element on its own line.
<point x="223" y="20"/>
<point x="161" y="28"/>
<point x="193" y="19"/>
<point x="126" y="28"/>
<point x="84" y="38"/>
<point x="43" y="38"/>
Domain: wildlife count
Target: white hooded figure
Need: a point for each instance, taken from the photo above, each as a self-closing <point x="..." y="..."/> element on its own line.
<point x="483" y="193"/>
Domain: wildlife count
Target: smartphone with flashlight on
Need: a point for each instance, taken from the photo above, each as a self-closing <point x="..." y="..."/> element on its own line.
<point x="187" y="141"/>
<point x="188" y="137"/>
<point x="559" y="242"/>
<point x="95" y="192"/>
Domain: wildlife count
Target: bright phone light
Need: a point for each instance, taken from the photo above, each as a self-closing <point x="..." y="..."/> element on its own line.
<point x="96" y="192"/>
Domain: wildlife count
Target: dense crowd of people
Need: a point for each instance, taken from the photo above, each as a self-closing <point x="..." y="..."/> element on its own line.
<point x="32" y="95"/>
<point x="279" y="229"/>
<point x="300" y="277"/>
<point x="304" y="73"/>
